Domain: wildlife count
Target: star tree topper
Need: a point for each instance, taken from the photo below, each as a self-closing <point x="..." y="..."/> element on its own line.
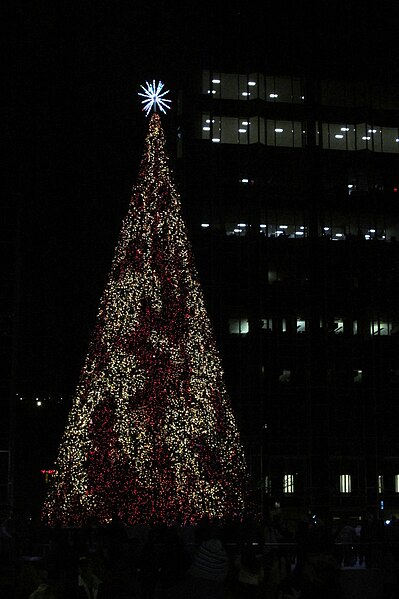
<point x="153" y="98"/>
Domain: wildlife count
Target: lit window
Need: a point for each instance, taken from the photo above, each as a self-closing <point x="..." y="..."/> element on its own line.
<point x="300" y="325"/>
<point x="380" y="483"/>
<point x="357" y="376"/>
<point x="338" y="326"/>
<point x="345" y="483"/>
<point x="204" y="225"/>
<point x="288" y="483"/>
<point x="379" y="327"/>
<point x="238" y="326"/>
<point x="267" y="323"/>
<point x="268" y="485"/>
<point x="396" y="483"/>
<point x="285" y="377"/>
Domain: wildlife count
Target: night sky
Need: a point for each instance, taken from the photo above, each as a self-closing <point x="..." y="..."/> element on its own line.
<point x="74" y="133"/>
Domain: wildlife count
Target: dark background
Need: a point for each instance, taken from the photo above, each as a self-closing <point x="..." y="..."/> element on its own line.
<point x="73" y="134"/>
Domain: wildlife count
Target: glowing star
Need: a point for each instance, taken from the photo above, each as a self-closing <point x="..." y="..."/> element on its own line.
<point x="153" y="97"/>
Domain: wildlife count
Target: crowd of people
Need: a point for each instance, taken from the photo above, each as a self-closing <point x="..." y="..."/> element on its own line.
<point x="262" y="560"/>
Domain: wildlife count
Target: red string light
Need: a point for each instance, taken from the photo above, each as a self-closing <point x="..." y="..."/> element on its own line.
<point x="151" y="436"/>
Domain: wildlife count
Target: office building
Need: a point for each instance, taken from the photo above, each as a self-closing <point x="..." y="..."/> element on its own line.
<point x="290" y="186"/>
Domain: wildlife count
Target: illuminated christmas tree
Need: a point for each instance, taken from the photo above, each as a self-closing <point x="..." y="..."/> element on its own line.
<point x="151" y="436"/>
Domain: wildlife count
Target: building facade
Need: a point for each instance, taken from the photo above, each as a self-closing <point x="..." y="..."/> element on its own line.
<point x="291" y="190"/>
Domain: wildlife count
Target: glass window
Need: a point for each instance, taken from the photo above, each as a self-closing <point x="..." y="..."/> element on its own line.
<point x="231" y="132"/>
<point x="271" y="92"/>
<point x="390" y="139"/>
<point x="238" y="326"/>
<point x="236" y="229"/>
<point x="301" y="325"/>
<point x="339" y="136"/>
<point x="267" y="324"/>
<point x="376" y="137"/>
<point x="244" y="130"/>
<point x="206" y="80"/>
<point x="380" y="484"/>
<point x="229" y="86"/>
<point x="363" y="137"/>
<point x="256" y="130"/>
<point x="285" y="377"/>
<point x="288" y="483"/>
<point x="343" y="136"/>
<point x="380" y="327"/>
<point x="396" y="483"/>
<point x="338" y="326"/>
<point x="284" y="133"/>
<point x="345" y="483"/>
<point x="211" y="84"/>
<point x="208" y="125"/>
<point x="248" y="86"/>
<point x="283" y="89"/>
<point x="268" y="485"/>
<point x="357" y="376"/>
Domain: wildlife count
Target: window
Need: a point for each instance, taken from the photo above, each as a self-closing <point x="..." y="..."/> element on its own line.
<point x="288" y="483"/>
<point x="357" y="376"/>
<point x="360" y="136"/>
<point x="267" y="323"/>
<point x="336" y="326"/>
<point x="283" y="89"/>
<point x="237" y="229"/>
<point x="234" y="86"/>
<point x="301" y="326"/>
<point x="251" y="130"/>
<point x="339" y="136"/>
<point x="238" y="326"/>
<point x="284" y="133"/>
<point x="396" y="483"/>
<point x="268" y="485"/>
<point x="285" y="376"/>
<point x="390" y="139"/>
<point x="345" y="483"/>
<point x="380" y="483"/>
<point x="380" y="327"/>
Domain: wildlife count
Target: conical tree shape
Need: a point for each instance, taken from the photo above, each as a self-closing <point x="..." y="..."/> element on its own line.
<point x="151" y="436"/>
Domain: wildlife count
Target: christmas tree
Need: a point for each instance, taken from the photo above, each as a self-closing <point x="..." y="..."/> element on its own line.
<point x="151" y="436"/>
